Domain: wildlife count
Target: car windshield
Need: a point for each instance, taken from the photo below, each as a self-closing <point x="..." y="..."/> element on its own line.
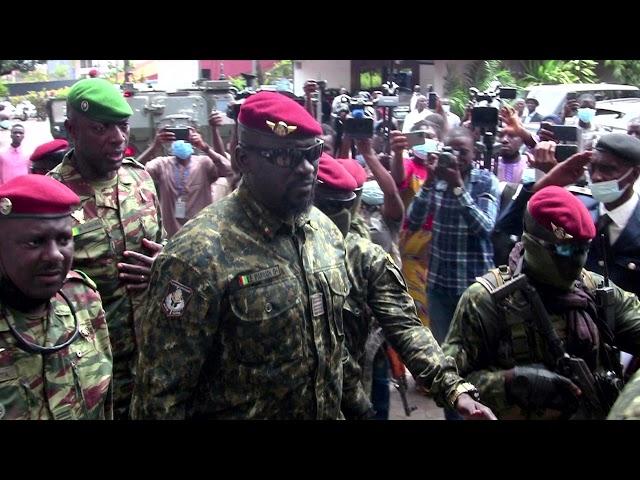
<point x="552" y="99"/>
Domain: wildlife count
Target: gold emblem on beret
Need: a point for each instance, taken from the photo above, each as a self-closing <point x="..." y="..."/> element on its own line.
<point x="79" y="215"/>
<point x="560" y="233"/>
<point x="84" y="105"/>
<point x="5" y="206"/>
<point x="281" y="129"/>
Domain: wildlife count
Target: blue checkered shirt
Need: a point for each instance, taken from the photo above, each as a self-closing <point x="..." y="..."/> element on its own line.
<point x="461" y="247"/>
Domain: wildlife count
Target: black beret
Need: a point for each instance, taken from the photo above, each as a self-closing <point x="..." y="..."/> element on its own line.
<point x="623" y="146"/>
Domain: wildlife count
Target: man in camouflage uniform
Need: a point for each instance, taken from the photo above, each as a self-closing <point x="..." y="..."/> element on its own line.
<point x="378" y="291"/>
<point x="55" y="357"/>
<point x="627" y="406"/>
<point x="117" y="227"/>
<point x="498" y="343"/>
<point x="244" y="316"/>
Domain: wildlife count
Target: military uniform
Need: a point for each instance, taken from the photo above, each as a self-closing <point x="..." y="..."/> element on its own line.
<point x="244" y="318"/>
<point x="379" y="292"/>
<point x="498" y="343"/>
<point x="627" y="407"/>
<point x="114" y="216"/>
<point x="72" y="383"/>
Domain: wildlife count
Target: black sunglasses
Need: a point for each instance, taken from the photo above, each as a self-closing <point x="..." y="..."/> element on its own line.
<point x="331" y="206"/>
<point x="289" y="157"/>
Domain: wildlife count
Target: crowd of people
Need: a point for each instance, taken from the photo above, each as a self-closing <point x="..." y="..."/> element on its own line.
<point x="147" y="289"/>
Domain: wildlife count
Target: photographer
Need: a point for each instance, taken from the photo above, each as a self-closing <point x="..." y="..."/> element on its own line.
<point x="581" y="113"/>
<point x="183" y="180"/>
<point x="464" y="203"/>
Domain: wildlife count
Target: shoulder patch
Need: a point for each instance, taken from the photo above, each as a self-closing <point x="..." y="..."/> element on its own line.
<point x="130" y="161"/>
<point x="176" y="299"/>
<point x="82" y="277"/>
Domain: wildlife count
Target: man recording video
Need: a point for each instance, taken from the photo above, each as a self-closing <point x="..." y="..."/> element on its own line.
<point x="464" y="202"/>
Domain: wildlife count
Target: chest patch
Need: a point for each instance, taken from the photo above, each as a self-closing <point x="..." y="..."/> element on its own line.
<point x="269" y="273"/>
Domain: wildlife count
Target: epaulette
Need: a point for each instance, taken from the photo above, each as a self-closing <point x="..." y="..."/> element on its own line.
<point x="81" y="276"/>
<point x="580" y="190"/>
<point x="133" y="162"/>
<point x="494" y="278"/>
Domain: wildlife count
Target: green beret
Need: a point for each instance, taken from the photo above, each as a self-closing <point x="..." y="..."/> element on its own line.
<point x="626" y="147"/>
<point x="99" y="100"/>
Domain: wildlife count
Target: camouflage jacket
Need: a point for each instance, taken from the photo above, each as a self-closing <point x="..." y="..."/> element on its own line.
<point x="244" y="318"/>
<point x="627" y="407"/>
<point x="359" y="226"/>
<point x="113" y="219"/>
<point x="72" y="383"/>
<point x="378" y="291"/>
<point x="482" y="343"/>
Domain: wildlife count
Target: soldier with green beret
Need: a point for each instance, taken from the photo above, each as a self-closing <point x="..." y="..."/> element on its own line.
<point x="55" y="355"/>
<point x="117" y="228"/>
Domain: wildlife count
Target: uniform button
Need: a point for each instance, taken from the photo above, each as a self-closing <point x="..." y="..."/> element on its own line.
<point x="268" y="307"/>
<point x="84" y="331"/>
<point x="346" y="290"/>
<point x="356" y="311"/>
<point x="79" y="354"/>
<point x="601" y="263"/>
<point x="631" y="266"/>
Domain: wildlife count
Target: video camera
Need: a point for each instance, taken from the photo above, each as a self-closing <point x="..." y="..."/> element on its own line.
<point x="359" y="121"/>
<point x="485" y="114"/>
<point x="447" y="158"/>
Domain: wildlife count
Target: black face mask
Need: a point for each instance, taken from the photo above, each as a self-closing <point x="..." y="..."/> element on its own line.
<point x="550" y="267"/>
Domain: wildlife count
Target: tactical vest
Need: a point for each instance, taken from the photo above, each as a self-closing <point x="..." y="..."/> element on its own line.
<point x="516" y="313"/>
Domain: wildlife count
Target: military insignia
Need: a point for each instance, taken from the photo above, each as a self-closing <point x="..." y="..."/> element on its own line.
<point x="560" y="233"/>
<point x="176" y="299"/>
<point x="3" y="411"/>
<point x="317" y="305"/>
<point x="5" y="206"/>
<point x="79" y="215"/>
<point x="281" y="129"/>
<point x="269" y="273"/>
<point x="84" y="105"/>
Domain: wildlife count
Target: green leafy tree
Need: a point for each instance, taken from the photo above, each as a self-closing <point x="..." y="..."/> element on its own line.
<point x="282" y="69"/>
<point x="4" y="91"/>
<point x="540" y="72"/>
<point x="625" y="71"/>
<point x="61" y="71"/>
<point x="8" y="66"/>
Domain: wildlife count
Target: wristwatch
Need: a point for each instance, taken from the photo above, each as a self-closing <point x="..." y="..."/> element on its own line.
<point x="467" y="388"/>
<point x="457" y="191"/>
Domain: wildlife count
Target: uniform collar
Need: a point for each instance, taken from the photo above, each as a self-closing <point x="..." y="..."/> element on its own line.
<point x="266" y="222"/>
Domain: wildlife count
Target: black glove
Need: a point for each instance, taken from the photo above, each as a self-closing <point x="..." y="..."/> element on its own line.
<point x="536" y="388"/>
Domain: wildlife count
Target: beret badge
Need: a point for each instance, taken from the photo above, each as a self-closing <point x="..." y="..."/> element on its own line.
<point x="281" y="128"/>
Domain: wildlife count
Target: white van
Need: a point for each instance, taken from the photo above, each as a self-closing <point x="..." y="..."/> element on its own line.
<point x="552" y="97"/>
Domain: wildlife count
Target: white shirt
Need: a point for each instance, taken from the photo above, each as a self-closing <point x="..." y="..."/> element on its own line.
<point x="414" y="117"/>
<point x="620" y="216"/>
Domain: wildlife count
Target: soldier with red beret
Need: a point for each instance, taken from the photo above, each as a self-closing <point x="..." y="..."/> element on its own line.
<point x="48" y="156"/>
<point x="379" y="294"/>
<point x="244" y="311"/>
<point x="496" y="342"/>
<point x="55" y="354"/>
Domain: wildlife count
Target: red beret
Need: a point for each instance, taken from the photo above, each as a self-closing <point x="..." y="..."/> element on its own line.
<point x="561" y="214"/>
<point x="355" y="169"/>
<point x="47" y="148"/>
<point x="272" y="112"/>
<point x="332" y="174"/>
<point x="36" y="196"/>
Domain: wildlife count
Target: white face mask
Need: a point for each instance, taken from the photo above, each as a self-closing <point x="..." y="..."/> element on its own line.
<point x="609" y="191"/>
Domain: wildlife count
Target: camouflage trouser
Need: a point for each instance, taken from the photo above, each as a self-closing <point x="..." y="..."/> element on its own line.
<point x="122" y="387"/>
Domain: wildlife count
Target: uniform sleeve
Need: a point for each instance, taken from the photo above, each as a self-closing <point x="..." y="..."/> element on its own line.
<point x="395" y="311"/>
<point x="175" y="339"/>
<point x="355" y="401"/>
<point x="481" y="214"/>
<point x="627" y="320"/>
<point x="474" y="324"/>
<point x="627" y="406"/>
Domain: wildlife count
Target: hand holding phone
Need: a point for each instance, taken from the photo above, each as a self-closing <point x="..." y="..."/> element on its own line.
<point x="181" y="133"/>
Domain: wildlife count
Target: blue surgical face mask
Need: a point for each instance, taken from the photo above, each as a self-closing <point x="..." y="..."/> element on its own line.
<point x="421" y="151"/>
<point x="181" y="149"/>
<point x="609" y="191"/>
<point x="586" y="114"/>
